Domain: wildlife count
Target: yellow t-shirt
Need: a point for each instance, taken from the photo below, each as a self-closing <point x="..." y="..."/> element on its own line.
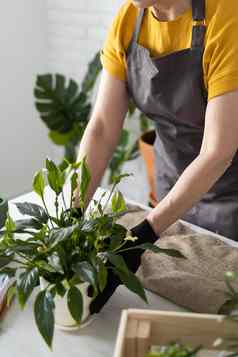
<point x="220" y="59"/>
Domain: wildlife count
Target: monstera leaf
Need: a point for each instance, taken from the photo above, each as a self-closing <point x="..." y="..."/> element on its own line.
<point x="94" y="68"/>
<point x="60" y="103"/>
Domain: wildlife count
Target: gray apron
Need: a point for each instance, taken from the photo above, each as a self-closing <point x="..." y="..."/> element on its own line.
<point x="170" y="91"/>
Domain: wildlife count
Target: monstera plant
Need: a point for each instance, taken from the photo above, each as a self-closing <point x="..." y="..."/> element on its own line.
<point x="65" y="110"/>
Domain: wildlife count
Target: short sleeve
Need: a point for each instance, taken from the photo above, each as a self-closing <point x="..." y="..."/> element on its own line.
<point x="113" y="52"/>
<point x="222" y="49"/>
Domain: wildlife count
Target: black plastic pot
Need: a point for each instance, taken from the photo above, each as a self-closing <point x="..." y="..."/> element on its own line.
<point x="3" y="211"/>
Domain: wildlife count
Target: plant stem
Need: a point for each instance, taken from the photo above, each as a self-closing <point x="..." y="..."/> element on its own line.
<point x="64" y="200"/>
<point x="47" y="212"/>
<point x="109" y="197"/>
<point x="57" y="207"/>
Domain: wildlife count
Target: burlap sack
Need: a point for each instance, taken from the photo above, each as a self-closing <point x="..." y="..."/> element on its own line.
<point x="197" y="282"/>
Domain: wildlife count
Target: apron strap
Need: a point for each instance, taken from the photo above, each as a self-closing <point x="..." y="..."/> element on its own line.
<point x="136" y="32"/>
<point x="199" y="28"/>
<point x="198" y="9"/>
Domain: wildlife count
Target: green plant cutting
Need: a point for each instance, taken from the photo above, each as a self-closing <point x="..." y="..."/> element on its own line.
<point x="69" y="248"/>
<point x="173" y="349"/>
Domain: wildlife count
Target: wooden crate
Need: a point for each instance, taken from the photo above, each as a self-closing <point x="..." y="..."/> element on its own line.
<point x="140" y="329"/>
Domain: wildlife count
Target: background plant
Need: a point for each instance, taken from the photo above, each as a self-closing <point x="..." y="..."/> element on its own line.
<point x="65" y="110"/>
<point x="68" y="247"/>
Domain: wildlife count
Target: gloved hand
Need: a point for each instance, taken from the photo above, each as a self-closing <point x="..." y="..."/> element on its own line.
<point x="145" y="234"/>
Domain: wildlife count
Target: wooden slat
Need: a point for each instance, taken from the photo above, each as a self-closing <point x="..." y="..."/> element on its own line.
<point x="131" y="338"/>
<point x="143" y="338"/>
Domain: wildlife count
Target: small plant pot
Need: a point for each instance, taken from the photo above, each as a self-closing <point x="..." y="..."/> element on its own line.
<point x="146" y="146"/>
<point x="3" y="211"/>
<point x="63" y="318"/>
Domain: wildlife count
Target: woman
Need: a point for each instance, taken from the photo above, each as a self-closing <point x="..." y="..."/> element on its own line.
<point x="178" y="60"/>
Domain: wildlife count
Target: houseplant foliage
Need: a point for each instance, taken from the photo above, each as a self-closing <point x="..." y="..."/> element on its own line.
<point x="68" y="248"/>
<point x="174" y="349"/>
<point x="65" y="110"/>
<point x="3" y="210"/>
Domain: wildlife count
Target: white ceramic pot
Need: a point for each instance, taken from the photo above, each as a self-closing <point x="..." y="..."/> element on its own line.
<point x="63" y="318"/>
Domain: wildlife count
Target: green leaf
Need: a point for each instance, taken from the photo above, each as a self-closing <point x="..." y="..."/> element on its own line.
<point x="11" y="292"/>
<point x="40" y="236"/>
<point x="86" y="272"/>
<point x="84" y="180"/>
<point x="7" y="272"/>
<point x="60" y="289"/>
<point x="33" y="210"/>
<point x="101" y="274"/>
<point x="116" y="180"/>
<point x="55" y="262"/>
<point x="32" y="223"/>
<point x="75" y="303"/>
<point x="39" y="183"/>
<point x="10" y="225"/>
<point x="24" y="246"/>
<point x="60" y="139"/>
<point x="61" y="106"/>
<point x="118" y="234"/>
<point x="55" y="177"/>
<point x="94" y="68"/>
<point x="5" y="260"/>
<point x="58" y="235"/>
<point x="26" y="282"/>
<point x="118" y="262"/>
<point x="45" y="266"/>
<point x="132" y="283"/>
<point x="118" y="202"/>
<point x="155" y="249"/>
<point x="44" y="315"/>
<point x="74" y="182"/>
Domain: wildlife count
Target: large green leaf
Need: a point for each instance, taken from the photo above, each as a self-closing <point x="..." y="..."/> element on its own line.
<point x="101" y="274"/>
<point x="32" y="223"/>
<point x="118" y="262"/>
<point x="60" y="103"/>
<point x="5" y="260"/>
<point x="7" y="272"/>
<point x="55" y="177"/>
<point x="44" y="315"/>
<point x="26" y="282"/>
<point x="94" y="68"/>
<point x="118" y="202"/>
<point x="87" y="272"/>
<point x="132" y="283"/>
<point x="24" y="246"/>
<point x="75" y="303"/>
<point x="155" y="249"/>
<point x="39" y="183"/>
<point x="33" y="210"/>
<point x="60" y="139"/>
<point x="58" y="235"/>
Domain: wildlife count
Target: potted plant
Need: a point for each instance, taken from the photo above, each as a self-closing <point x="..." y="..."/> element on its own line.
<point x="3" y="211"/>
<point x="68" y="251"/>
<point x="65" y="110"/>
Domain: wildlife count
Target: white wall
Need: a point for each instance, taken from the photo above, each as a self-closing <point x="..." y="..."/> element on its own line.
<point x="23" y="138"/>
<point x="77" y="30"/>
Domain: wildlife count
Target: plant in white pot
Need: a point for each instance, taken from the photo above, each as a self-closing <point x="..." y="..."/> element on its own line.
<point x="67" y="252"/>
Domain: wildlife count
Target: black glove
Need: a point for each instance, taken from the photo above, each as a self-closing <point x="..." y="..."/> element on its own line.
<point x="145" y="234"/>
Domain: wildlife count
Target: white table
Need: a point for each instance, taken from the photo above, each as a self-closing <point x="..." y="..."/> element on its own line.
<point x="19" y="335"/>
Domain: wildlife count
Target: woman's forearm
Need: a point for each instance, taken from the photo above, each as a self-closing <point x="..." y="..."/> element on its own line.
<point x="98" y="147"/>
<point x="195" y="181"/>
